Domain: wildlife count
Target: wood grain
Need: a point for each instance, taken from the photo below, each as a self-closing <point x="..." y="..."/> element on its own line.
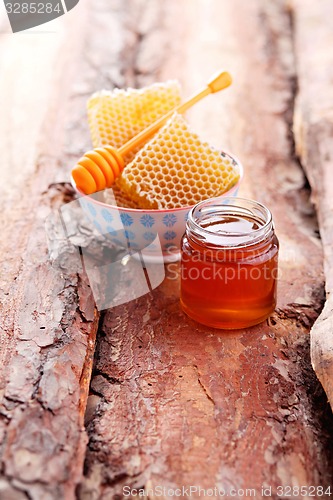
<point x="173" y="403"/>
<point x="48" y="321"/>
<point x="313" y="130"/>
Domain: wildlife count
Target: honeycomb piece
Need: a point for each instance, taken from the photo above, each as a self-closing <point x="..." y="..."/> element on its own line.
<point x="122" y="199"/>
<point x="176" y="169"/>
<point x="115" y="117"/>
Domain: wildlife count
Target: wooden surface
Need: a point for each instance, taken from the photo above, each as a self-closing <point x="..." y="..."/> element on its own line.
<point x="170" y="403"/>
<point x="313" y="131"/>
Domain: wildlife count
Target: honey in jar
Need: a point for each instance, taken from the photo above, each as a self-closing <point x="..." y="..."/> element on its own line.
<point x="229" y="263"/>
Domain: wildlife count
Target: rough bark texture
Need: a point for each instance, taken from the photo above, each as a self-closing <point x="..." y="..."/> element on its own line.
<point x="171" y="402"/>
<point x="314" y="132"/>
<point x="174" y="403"/>
<point x="48" y="321"/>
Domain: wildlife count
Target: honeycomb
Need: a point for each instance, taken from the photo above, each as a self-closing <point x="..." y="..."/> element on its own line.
<point x="115" y="117"/>
<point x="176" y="169"/>
<point x="122" y="199"/>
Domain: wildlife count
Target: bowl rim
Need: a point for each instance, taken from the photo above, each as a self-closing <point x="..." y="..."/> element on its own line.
<point x="161" y="210"/>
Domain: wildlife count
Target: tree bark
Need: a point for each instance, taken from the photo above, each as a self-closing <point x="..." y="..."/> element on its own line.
<point x="170" y="403"/>
<point x="176" y="404"/>
<point x="313" y="131"/>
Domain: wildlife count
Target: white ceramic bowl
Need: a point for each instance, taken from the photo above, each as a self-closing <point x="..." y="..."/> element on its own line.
<point x="152" y="231"/>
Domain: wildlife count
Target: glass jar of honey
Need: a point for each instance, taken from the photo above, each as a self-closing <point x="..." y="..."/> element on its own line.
<point x="229" y="263"/>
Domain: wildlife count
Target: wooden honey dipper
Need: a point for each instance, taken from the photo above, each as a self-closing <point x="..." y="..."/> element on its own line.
<point x="99" y="168"/>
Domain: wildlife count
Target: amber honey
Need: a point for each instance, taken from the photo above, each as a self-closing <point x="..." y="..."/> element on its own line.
<point x="229" y="263"/>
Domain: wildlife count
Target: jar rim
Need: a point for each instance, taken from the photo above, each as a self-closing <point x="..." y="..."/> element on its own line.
<point x="229" y="205"/>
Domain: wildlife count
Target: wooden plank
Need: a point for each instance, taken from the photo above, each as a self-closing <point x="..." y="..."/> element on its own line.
<point x="314" y="130"/>
<point x="48" y="321"/>
<point x="177" y="404"/>
<point x="171" y="402"/>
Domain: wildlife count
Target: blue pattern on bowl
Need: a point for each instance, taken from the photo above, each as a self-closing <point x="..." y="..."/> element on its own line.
<point x="149" y="236"/>
<point x="147" y="220"/>
<point x="129" y="234"/>
<point x="170" y="235"/>
<point x="126" y="219"/>
<point x="169" y="220"/>
<point x="107" y="216"/>
<point x="138" y="237"/>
